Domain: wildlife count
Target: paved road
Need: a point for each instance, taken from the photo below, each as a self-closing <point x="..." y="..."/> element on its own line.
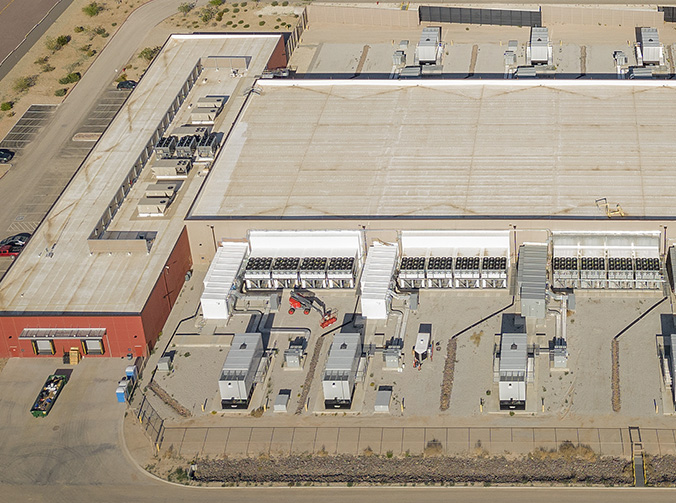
<point x="21" y="26"/>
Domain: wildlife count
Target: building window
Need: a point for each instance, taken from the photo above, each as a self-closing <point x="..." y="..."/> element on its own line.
<point x="43" y="347"/>
<point x="92" y="346"/>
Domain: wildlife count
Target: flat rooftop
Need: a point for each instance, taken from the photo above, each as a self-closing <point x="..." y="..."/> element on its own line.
<point x="70" y="278"/>
<point x="431" y="148"/>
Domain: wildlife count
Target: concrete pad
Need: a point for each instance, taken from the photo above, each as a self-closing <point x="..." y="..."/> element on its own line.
<point x="667" y="440"/>
<point x="611" y="441"/>
<point x="457" y="440"/>
<point x="193" y="440"/>
<point x="348" y="440"/>
<point x="392" y="440"/>
<point x="260" y="441"/>
<point x="281" y="440"/>
<point x="370" y="438"/>
<point x="303" y="440"/>
<point x="590" y="437"/>
<point x="413" y="440"/>
<point x="436" y="435"/>
<point x="238" y="441"/>
<point x="214" y="445"/>
<point x="545" y="438"/>
<point x="327" y="440"/>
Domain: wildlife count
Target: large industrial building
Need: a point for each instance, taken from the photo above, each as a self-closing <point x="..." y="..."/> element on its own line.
<point x="458" y="173"/>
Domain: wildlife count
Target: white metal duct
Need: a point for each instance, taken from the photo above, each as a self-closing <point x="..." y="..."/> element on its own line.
<point x="220" y="280"/>
<point x="376" y="281"/>
<point x="306" y="244"/>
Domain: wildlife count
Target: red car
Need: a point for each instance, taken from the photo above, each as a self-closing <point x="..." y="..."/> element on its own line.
<point x="10" y="251"/>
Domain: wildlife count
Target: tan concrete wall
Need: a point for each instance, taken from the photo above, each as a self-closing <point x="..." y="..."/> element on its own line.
<point x="203" y="239"/>
<point x="362" y="16"/>
<point x="594" y="16"/>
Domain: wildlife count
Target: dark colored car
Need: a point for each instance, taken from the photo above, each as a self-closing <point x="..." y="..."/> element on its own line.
<point x="10" y="251"/>
<point x="6" y="155"/>
<point x="16" y="240"/>
<point x="126" y="84"/>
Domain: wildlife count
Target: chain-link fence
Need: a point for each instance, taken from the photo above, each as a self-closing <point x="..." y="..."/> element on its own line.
<point x="151" y="422"/>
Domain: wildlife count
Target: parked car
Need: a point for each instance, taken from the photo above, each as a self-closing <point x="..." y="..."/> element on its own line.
<point x="16" y="240"/>
<point x="6" y="155"/>
<point x="126" y="84"/>
<point x="10" y="251"/>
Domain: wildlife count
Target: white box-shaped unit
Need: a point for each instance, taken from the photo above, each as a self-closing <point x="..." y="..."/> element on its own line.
<point x="513" y="367"/>
<point x="239" y="370"/>
<point x="340" y="371"/>
<point x="429" y="45"/>
<point x="221" y="279"/>
<point x="539" y="45"/>
<point x="376" y="281"/>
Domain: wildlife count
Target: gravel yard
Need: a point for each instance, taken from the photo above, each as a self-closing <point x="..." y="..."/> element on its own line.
<point x="371" y="469"/>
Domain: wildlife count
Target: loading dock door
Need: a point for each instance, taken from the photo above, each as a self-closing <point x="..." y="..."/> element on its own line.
<point x="93" y="346"/>
<point x="43" y="347"/>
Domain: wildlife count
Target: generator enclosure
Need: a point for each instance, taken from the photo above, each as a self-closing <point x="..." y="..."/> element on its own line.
<point x="340" y="372"/>
<point x="236" y="383"/>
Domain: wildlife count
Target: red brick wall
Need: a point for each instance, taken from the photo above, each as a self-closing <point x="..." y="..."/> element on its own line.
<point x="134" y="333"/>
<point x="123" y="333"/>
<point x="167" y="288"/>
<point x="278" y="58"/>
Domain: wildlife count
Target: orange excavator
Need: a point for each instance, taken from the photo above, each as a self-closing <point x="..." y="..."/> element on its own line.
<point x="307" y="302"/>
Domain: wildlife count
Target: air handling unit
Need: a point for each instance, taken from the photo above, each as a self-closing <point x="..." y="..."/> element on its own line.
<point x="340" y="372"/>
<point x="221" y="282"/>
<point x="171" y="169"/>
<point x="532" y="280"/>
<point x="649" y="50"/>
<point x="428" y="51"/>
<point x="239" y="371"/>
<point x="539" y="51"/>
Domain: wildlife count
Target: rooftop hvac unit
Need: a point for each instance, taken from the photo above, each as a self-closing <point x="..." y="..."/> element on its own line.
<point x="168" y="169"/>
<point x="312" y="272"/>
<point x="466" y="273"/>
<point x="285" y="272"/>
<point x="208" y="145"/>
<point x="257" y="274"/>
<point x="539" y="46"/>
<point x="651" y="48"/>
<point x="566" y="272"/>
<point x="440" y="272"/>
<point x="185" y="148"/>
<point x="428" y="49"/>
<point x="411" y="272"/>
<point x="410" y="72"/>
<point x="212" y="102"/>
<point x="399" y="58"/>
<point x="593" y="273"/>
<point x="165" y="147"/>
<point x="192" y="130"/>
<point x="494" y="272"/>
<point x="153" y="206"/>
<point x="162" y="189"/>
<point x="341" y="272"/>
<point x="203" y="115"/>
